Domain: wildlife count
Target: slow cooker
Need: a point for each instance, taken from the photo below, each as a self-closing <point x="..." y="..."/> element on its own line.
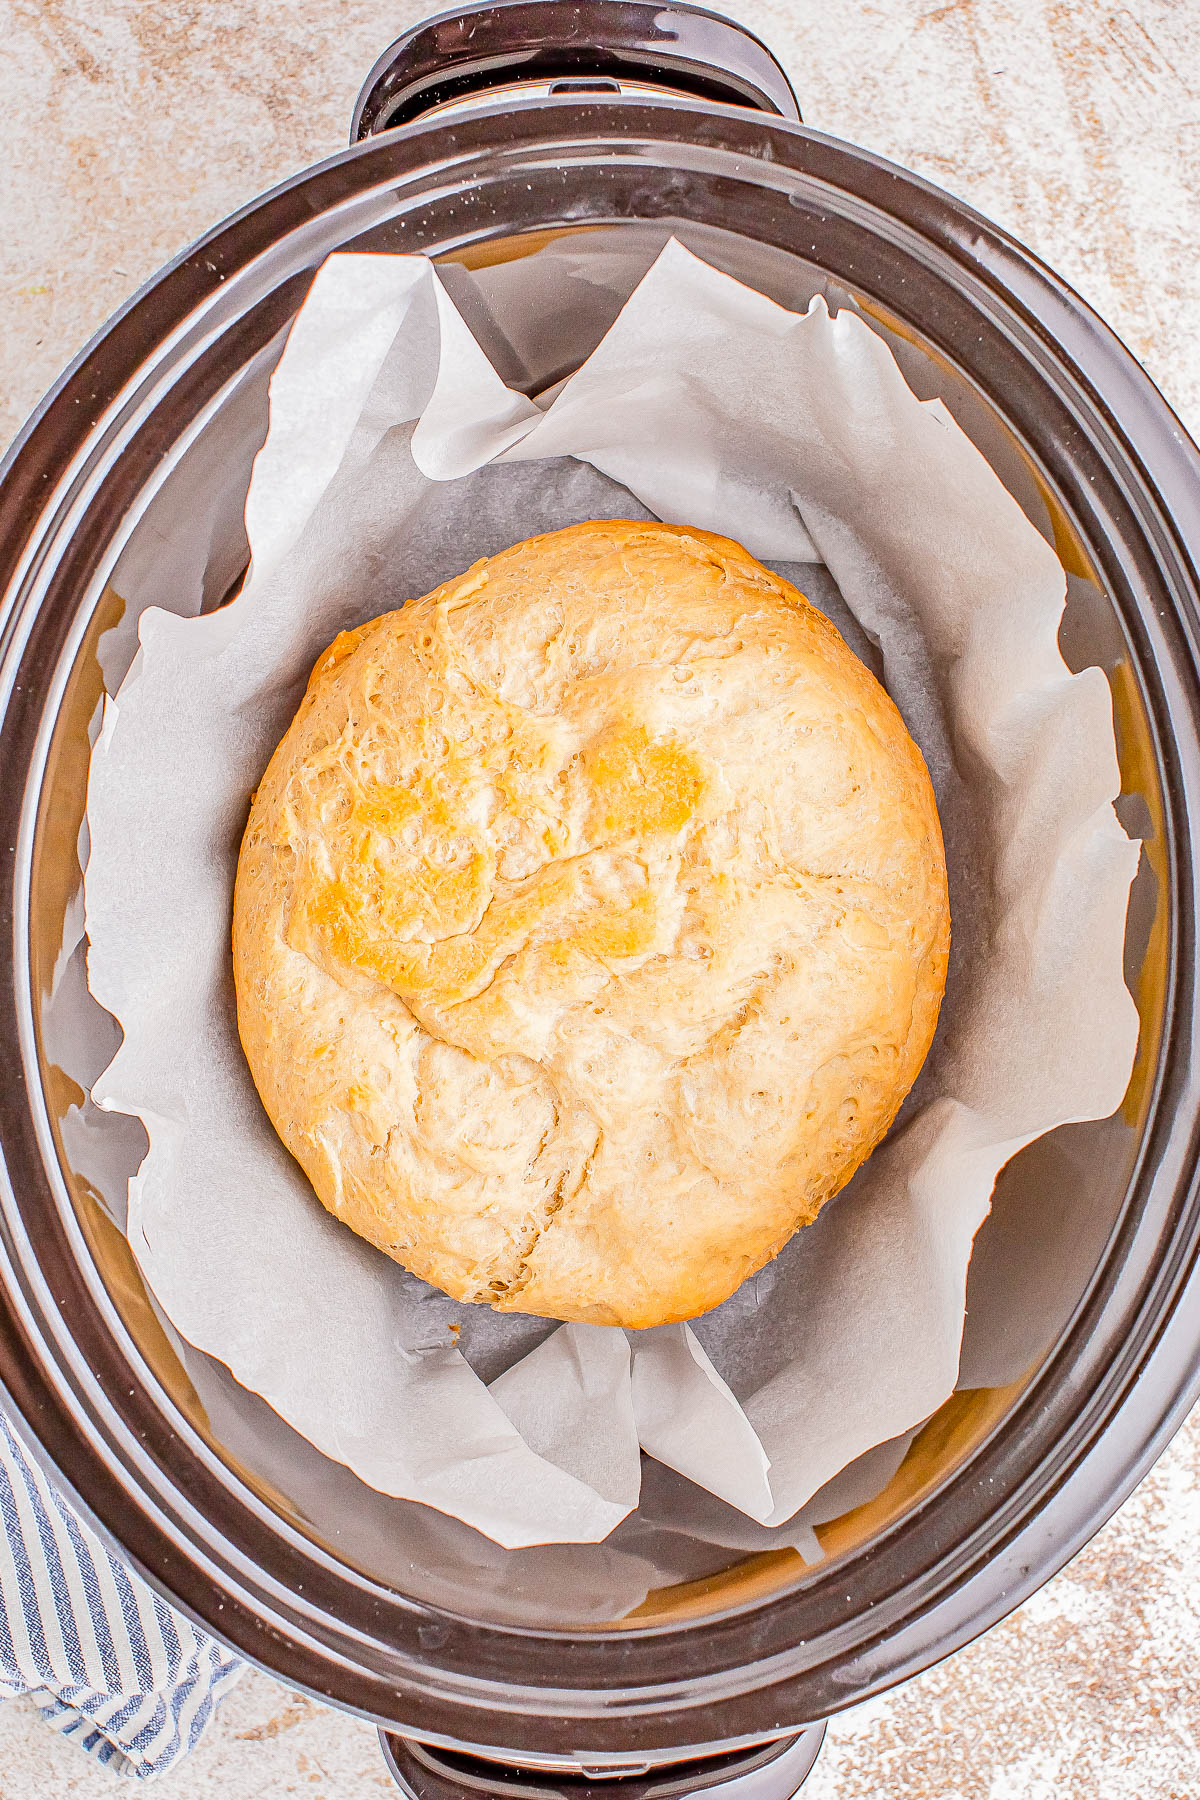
<point x="479" y="139"/>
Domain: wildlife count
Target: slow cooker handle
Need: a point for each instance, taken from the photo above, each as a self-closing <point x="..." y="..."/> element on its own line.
<point x="771" y="1771"/>
<point x="570" y="46"/>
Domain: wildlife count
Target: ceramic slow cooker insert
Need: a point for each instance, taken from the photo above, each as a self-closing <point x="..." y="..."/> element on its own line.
<point x="616" y="125"/>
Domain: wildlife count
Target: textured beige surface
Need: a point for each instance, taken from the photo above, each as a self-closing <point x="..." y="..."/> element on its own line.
<point x="576" y="890"/>
<point x="128" y="127"/>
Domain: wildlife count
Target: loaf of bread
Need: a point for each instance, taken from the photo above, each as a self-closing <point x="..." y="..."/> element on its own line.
<point x="590" y="924"/>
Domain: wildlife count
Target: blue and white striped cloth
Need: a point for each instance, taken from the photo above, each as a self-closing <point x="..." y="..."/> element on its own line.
<point x="107" y="1662"/>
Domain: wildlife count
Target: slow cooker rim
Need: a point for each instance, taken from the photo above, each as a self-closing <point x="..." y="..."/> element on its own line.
<point x="417" y="131"/>
<point x="1065" y="301"/>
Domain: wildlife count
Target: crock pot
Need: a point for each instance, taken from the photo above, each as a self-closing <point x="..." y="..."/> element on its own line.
<point x="480" y="139"/>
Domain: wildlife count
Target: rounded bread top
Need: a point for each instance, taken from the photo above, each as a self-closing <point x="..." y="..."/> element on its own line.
<point x="590" y="924"/>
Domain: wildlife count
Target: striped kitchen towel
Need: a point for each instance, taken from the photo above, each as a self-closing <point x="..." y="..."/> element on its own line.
<point x="107" y="1662"/>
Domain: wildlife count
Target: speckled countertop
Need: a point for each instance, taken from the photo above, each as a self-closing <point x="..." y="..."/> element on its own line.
<point x="129" y="126"/>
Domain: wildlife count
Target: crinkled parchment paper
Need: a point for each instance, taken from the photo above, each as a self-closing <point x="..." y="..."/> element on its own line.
<point x="395" y="456"/>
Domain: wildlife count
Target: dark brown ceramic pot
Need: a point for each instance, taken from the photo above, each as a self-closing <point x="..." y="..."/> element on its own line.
<point x="682" y="123"/>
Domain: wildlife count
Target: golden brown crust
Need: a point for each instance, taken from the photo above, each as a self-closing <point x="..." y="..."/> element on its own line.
<point x="590" y="924"/>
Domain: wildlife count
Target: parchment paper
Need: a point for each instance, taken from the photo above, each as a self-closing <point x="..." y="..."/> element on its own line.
<point x="395" y="456"/>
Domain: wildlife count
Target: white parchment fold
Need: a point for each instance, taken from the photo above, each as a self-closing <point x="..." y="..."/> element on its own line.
<point x="396" y="454"/>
